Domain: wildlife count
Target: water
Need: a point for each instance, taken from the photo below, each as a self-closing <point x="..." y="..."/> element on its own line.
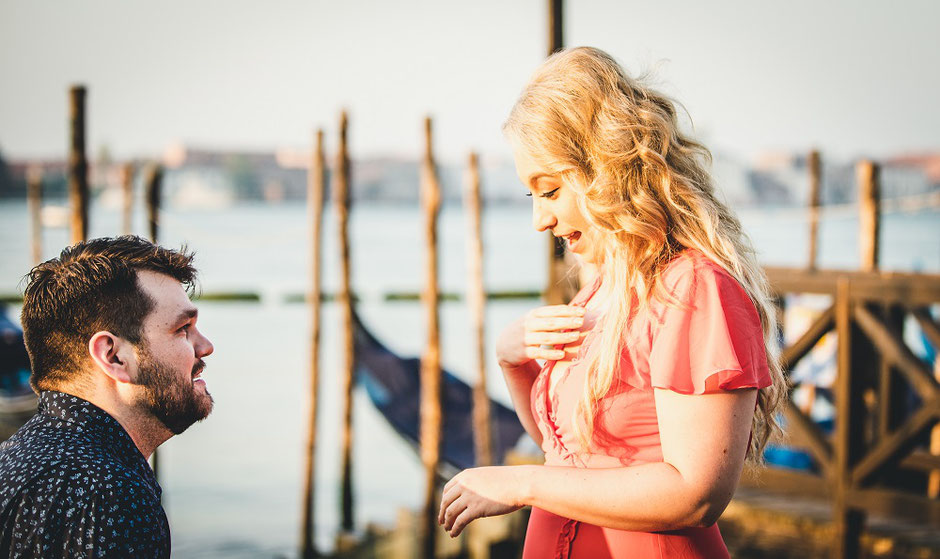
<point x="232" y="483"/>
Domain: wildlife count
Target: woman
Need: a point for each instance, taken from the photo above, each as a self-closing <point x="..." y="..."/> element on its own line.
<point x="659" y="379"/>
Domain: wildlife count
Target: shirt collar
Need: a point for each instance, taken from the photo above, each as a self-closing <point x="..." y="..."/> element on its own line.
<point x="83" y="416"/>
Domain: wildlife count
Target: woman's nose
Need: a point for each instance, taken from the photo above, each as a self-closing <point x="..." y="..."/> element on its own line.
<point x="541" y="218"/>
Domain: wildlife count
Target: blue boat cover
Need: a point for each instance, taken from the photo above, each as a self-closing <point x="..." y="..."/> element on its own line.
<point x="14" y="361"/>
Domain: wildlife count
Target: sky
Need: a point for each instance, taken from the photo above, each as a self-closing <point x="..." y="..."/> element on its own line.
<point x="852" y="78"/>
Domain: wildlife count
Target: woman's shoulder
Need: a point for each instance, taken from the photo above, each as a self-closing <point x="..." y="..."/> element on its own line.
<point x="682" y="277"/>
<point x="711" y="327"/>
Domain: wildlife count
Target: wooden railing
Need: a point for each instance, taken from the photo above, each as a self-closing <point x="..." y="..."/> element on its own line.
<point x="879" y="458"/>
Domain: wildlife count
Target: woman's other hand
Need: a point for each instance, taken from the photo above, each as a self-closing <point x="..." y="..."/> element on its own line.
<point x="523" y="340"/>
<point x="478" y="493"/>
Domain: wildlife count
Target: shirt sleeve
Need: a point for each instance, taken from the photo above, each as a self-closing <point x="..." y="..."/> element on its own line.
<point x="110" y="518"/>
<point x="710" y="338"/>
<point x="127" y="521"/>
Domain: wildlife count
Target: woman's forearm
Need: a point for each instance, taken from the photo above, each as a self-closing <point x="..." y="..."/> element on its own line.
<point x="647" y="497"/>
<point x="519" y="382"/>
<point x="704" y="443"/>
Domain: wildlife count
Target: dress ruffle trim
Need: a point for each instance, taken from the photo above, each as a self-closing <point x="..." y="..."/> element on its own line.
<point x="569" y="530"/>
<point x="545" y="415"/>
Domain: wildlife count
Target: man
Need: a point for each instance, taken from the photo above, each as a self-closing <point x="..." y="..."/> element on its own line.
<point x="116" y="359"/>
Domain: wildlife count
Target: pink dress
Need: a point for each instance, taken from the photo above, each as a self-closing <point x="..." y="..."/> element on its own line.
<point x="714" y="336"/>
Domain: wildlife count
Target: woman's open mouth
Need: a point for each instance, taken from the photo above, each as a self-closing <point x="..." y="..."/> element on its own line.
<point x="572" y="240"/>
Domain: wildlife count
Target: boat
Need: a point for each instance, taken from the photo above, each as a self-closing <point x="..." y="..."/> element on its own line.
<point x="17" y="400"/>
<point x="394" y="387"/>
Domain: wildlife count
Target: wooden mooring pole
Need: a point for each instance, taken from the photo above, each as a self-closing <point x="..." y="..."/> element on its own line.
<point x="815" y="171"/>
<point x="555" y="292"/>
<point x="476" y="301"/>
<point x="152" y="196"/>
<point x="857" y="366"/>
<point x="430" y="434"/>
<point x="127" y="198"/>
<point x="556" y="28"/>
<point x="34" y="206"/>
<point x="869" y="203"/>
<point x="809" y="386"/>
<point x="78" y="165"/>
<point x="344" y="302"/>
<point x="316" y="178"/>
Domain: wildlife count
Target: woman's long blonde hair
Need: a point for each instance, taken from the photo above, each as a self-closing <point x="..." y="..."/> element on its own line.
<point x="646" y="185"/>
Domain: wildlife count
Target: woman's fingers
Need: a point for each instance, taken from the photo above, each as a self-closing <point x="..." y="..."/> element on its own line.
<point x="523" y="340"/>
<point x="461" y="521"/>
<point x="550" y="338"/>
<point x="556" y="310"/>
<point x="448" y="496"/>
<point x="544" y="353"/>
<point x="456" y="508"/>
<point x="552" y="324"/>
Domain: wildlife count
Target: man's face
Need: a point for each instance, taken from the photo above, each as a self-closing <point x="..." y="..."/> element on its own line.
<point x="169" y="359"/>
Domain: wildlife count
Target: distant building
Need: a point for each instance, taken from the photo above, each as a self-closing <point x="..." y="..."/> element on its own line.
<point x="781" y="176"/>
<point x="200" y="177"/>
<point x="213" y="178"/>
<point x="53" y="172"/>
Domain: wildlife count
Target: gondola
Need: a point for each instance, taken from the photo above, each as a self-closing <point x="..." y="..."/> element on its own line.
<point x="393" y="385"/>
<point x="17" y="399"/>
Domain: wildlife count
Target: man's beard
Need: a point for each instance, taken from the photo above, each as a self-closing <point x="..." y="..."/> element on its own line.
<point x="174" y="402"/>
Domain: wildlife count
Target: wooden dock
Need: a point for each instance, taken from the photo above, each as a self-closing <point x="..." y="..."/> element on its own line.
<point x="758" y="524"/>
<point x="763" y="524"/>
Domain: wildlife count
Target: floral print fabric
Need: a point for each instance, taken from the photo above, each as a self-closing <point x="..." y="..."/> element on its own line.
<point x="74" y="485"/>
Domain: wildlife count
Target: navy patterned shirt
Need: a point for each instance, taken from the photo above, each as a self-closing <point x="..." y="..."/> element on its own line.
<point x="73" y="484"/>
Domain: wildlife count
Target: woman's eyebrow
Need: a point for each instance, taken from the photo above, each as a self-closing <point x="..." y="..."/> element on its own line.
<point x="536" y="176"/>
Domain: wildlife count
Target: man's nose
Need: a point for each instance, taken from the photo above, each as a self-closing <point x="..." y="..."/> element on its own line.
<point x="203" y="346"/>
<point x="542" y="219"/>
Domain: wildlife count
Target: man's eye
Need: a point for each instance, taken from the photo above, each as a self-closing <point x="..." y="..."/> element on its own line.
<point x="184" y="327"/>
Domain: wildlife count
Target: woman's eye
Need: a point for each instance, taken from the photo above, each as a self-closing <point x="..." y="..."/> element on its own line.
<point x="549" y="194"/>
<point x="529" y="194"/>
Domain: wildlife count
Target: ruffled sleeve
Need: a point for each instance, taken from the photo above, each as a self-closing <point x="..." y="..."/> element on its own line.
<point x="710" y="338"/>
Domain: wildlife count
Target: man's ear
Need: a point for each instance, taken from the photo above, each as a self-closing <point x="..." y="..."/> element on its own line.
<point x="111" y="356"/>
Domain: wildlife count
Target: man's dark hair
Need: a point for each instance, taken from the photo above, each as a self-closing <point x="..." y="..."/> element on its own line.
<point x="92" y="286"/>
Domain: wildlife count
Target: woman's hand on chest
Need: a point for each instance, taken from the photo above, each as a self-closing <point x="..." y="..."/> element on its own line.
<point x="534" y="335"/>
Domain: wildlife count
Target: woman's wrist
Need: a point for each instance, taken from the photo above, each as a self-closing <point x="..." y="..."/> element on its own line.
<point x="527" y="368"/>
<point x="522" y="486"/>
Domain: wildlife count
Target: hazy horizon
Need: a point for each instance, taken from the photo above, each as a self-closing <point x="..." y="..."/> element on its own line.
<point x="850" y="78"/>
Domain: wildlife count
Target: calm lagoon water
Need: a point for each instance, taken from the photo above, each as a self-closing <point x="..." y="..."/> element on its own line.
<point x="232" y="483"/>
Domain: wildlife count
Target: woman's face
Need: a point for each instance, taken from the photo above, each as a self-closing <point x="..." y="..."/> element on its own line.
<point x="555" y="208"/>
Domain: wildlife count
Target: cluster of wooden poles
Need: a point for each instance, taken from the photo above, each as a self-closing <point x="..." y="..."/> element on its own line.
<point x="78" y="186"/>
<point x="79" y="195"/>
<point x="430" y="405"/>
<point x="431" y="420"/>
<point x="431" y="414"/>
